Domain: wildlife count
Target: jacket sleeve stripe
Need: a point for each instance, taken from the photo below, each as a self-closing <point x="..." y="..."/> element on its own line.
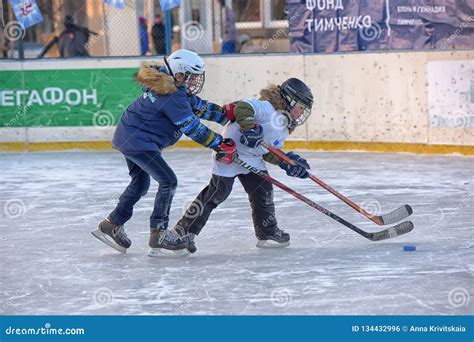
<point x="194" y="129"/>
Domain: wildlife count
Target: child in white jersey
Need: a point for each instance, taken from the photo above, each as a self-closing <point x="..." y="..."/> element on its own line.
<point x="271" y="119"/>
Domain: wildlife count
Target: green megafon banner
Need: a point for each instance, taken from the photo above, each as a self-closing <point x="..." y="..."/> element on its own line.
<point x="53" y="98"/>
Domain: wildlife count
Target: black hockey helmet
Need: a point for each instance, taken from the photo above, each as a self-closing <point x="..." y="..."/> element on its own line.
<point x="298" y="99"/>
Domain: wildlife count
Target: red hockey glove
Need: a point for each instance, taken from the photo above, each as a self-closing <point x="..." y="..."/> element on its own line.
<point x="226" y="151"/>
<point x="229" y="111"/>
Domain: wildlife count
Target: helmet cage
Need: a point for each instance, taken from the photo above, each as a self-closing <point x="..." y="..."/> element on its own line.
<point x="194" y="83"/>
<point x="298" y="109"/>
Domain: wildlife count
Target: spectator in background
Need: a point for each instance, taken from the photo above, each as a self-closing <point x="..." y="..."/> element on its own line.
<point x="144" y="41"/>
<point x="72" y="42"/>
<point x="228" y="44"/>
<point x="158" y="35"/>
<point x="3" y="46"/>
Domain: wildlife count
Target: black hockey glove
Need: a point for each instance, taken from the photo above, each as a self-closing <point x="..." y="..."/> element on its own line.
<point x="298" y="170"/>
<point x="252" y="137"/>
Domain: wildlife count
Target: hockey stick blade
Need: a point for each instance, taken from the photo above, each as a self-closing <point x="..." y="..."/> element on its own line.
<point x="388" y="233"/>
<point x="397" y="215"/>
<point x="389" y="218"/>
<point x="397" y="230"/>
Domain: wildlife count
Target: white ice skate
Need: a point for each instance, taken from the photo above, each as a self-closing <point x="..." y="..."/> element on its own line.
<point x="166" y="244"/>
<point x="112" y="235"/>
<point x="272" y="244"/>
<point x="168" y="254"/>
<point x="279" y="239"/>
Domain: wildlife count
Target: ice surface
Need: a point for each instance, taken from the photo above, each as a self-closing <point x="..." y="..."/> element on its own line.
<point x="50" y="263"/>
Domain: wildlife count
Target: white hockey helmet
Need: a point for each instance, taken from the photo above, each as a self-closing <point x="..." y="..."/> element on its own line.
<point x="189" y="64"/>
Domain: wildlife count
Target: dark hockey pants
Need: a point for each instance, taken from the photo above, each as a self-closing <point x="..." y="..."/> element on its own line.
<point x="260" y="194"/>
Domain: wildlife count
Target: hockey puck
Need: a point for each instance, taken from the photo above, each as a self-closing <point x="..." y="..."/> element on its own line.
<point x="409" y="248"/>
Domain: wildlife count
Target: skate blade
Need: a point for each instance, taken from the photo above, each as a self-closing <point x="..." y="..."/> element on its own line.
<point x="272" y="244"/>
<point x="167" y="253"/>
<point x="105" y="239"/>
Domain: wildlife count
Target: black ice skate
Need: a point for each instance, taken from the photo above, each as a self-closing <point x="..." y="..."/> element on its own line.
<point x="279" y="239"/>
<point x="186" y="237"/>
<point x="112" y="235"/>
<point x="166" y="243"/>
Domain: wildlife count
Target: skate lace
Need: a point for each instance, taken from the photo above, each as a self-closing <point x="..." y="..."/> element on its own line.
<point x="181" y="232"/>
<point x="119" y="232"/>
<point x="190" y="237"/>
<point x="168" y="236"/>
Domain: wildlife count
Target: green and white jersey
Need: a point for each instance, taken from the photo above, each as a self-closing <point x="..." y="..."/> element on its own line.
<point x="275" y="131"/>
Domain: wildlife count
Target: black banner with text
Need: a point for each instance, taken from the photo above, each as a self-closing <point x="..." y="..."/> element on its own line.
<point x="345" y="25"/>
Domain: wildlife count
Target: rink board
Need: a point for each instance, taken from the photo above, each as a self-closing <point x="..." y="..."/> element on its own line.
<point x="290" y="145"/>
<point x="398" y="101"/>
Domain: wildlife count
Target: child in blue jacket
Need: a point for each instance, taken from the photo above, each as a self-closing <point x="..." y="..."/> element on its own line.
<point x="167" y="108"/>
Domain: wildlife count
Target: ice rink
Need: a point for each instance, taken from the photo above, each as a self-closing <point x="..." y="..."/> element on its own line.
<point x="50" y="263"/>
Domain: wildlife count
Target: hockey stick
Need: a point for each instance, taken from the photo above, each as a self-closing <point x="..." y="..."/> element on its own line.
<point x="397" y="230"/>
<point x="394" y="216"/>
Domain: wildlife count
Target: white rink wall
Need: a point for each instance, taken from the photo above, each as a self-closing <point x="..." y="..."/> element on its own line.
<point x="368" y="97"/>
<point x="397" y="97"/>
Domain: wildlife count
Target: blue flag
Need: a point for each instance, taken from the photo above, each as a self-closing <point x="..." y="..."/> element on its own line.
<point x="169" y="4"/>
<point x="26" y="12"/>
<point x="120" y="4"/>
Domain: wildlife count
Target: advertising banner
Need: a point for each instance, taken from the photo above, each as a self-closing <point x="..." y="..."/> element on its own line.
<point x="52" y="98"/>
<point x="343" y="25"/>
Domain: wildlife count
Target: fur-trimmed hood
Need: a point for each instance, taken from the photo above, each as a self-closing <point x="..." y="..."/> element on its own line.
<point x="272" y="94"/>
<point x="153" y="76"/>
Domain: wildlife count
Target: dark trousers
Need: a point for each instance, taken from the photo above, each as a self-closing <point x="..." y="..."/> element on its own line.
<point x="260" y="193"/>
<point x="141" y="166"/>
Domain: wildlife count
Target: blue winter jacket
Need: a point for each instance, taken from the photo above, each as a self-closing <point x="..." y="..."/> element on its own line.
<point x="160" y="116"/>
